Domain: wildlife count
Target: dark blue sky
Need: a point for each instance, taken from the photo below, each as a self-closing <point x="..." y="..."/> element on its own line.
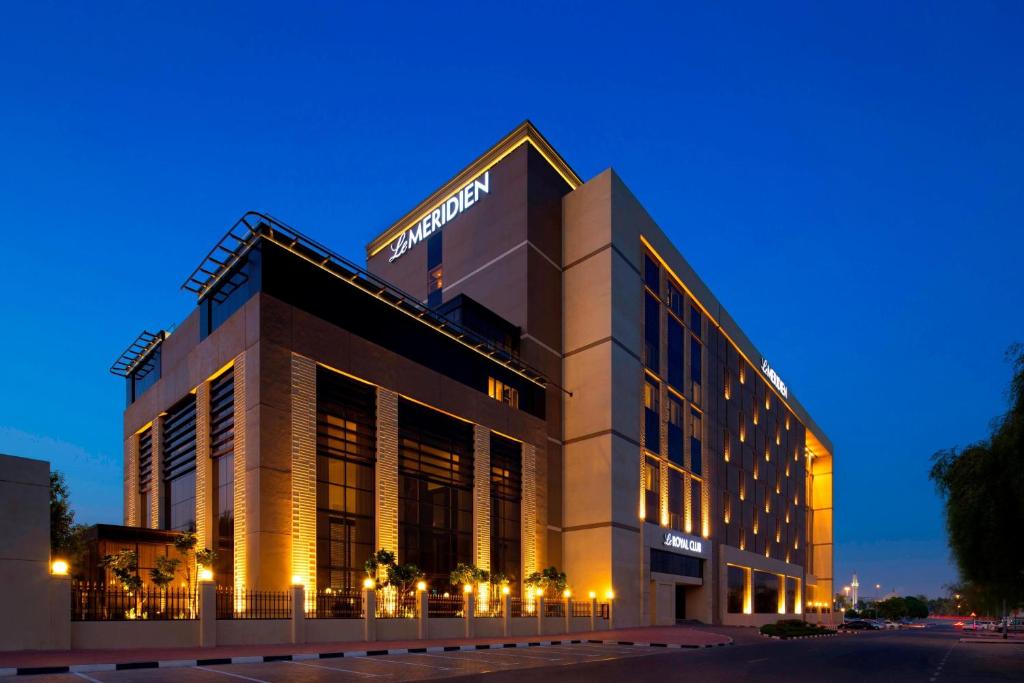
<point x="847" y="179"/>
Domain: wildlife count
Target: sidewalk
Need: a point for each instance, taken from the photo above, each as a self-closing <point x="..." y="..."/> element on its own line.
<point x="657" y="636"/>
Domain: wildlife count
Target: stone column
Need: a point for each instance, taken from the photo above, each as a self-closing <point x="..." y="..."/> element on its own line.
<point x="506" y="615"/>
<point x="204" y="469"/>
<point x="131" y="481"/>
<point x="240" y="561"/>
<point x="482" y="506"/>
<point x="156" y="473"/>
<point x="528" y="521"/>
<point x="369" y="614"/>
<point x="468" y="608"/>
<point x="423" y="615"/>
<point x="207" y="614"/>
<point x="303" y="446"/>
<point x="386" y="473"/>
<point x="60" y="612"/>
<point x="298" y="595"/>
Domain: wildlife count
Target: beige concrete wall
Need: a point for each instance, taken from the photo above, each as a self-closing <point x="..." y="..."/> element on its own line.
<point x="255" y="631"/>
<point x="102" y="635"/>
<point x="333" y="630"/>
<point x="25" y="583"/>
<point x="398" y="629"/>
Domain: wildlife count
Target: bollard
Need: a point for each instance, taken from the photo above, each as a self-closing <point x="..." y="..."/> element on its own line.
<point x="423" y="628"/>
<point x="369" y="614"/>
<point x="298" y="613"/>
<point x="207" y="614"/>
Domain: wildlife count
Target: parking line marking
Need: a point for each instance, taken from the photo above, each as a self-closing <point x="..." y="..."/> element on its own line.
<point x="88" y="678"/>
<point x="480" y="658"/>
<point x="338" y="668"/>
<point x="228" y="673"/>
<point x="516" y="654"/>
<point x="396" y="661"/>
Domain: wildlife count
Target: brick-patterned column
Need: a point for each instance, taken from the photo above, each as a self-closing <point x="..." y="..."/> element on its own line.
<point x="156" y="476"/>
<point x="204" y="475"/>
<point x="131" y="481"/>
<point x="705" y="488"/>
<point x="528" y="521"/>
<point x="482" y="497"/>
<point x="304" y="471"/>
<point x="240" y="559"/>
<point x="386" y="474"/>
<point x="663" y="449"/>
<point x="688" y="504"/>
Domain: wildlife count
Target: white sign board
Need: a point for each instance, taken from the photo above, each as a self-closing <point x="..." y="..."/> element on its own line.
<point x="440" y="215"/>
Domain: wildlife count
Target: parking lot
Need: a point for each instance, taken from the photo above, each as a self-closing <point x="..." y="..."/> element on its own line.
<point x="400" y="667"/>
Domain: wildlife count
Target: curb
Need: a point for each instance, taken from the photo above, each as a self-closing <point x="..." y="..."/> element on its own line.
<point x="298" y="657"/>
<point x="814" y="635"/>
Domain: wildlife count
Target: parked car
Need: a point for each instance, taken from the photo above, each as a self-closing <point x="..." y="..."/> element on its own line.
<point x="979" y="625"/>
<point x="858" y="625"/>
<point x="890" y="624"/>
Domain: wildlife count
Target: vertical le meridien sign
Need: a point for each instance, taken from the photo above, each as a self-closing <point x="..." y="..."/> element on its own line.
<point x="441" y="214"/>
<point x="774" y="378"/>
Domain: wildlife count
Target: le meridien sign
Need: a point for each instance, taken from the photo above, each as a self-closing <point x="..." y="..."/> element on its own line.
<point x="774" y="378"/>
<point x="445" y="211"/>
<point x="688" y="545"/>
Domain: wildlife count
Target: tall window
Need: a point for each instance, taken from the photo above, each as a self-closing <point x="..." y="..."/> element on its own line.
<point x="222" y="452"/>
<point x="696" y="506"/>
<point x="435" y="484"/>
<point x="652" y="416"/>
<point x="766" y="593"/>
<point x="346" y="449"/>
<point x="696" y="438"/>
<point x="179" y="466"/>
<point x="506" y="502"/>
<point x="674" y="340"/>
<point x="435" y="272"/>
<point x="696" y="353"/>
<point x="674" y="408"/>
<point x="675" y="498"/>
<point x="500" y="391"/>
<point x="652" y="330"/>
<point x="737" y="579"/>
<point x="145" y="477"/>
<point x="651" y="274"/>
<point x="652" y="490"/>
<point x="674" y="299"/>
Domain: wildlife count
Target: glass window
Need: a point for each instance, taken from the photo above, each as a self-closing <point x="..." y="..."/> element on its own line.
<point x="695" y="360"/>
<point x="696" y="506"/>
<point x="665" y="562"/>
<point x="766" y="593"/>
<point x="737" y="579"/>
<point x="435" y="491"/>
<point x="696" y="438"/>
<point x="695" y="320"/>
<point x="506" y="500"/>
<point x="652" y="416"/>
<point x="792" y="591"/>
<point x="675" y="429"/>
<point x="652" y="491"/>
<point x="435" y="283"/>
<point x="675" y="300"/>
<point x="434" y="247"/>
<point x="651" y="274"/>
<point x="674" y="352"/>
<point x="345" y="461"/>
<point x="500" y="391"/>
<point x="231" y="291"/>
<point x="179" y="466"/>
<point x="652" y="331"/>
<point x="675" y="499"/>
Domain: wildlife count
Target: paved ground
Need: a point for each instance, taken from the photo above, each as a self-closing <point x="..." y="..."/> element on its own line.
<point x="915" y="656"/>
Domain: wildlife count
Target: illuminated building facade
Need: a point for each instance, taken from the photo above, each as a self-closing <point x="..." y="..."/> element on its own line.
<point x="525" y="373"/>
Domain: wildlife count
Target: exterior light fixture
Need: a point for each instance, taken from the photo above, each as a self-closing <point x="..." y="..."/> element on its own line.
<point x="567" y="593"/>
<point x="421" y="586"/>
<point x="59" y="568"/>
<point x="610" y="595"/>
<point x="369" y="583"/>
<point x="297" y="580"/>
<point x="206" y="574"/>
<point x="505" y="590"/>
<point x="467" y="588"/>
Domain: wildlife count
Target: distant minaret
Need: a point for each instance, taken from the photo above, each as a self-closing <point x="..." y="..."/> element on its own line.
<point x="854" y="585"/>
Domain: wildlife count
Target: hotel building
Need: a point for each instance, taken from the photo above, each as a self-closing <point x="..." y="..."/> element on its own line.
<point x="525" y="372"/>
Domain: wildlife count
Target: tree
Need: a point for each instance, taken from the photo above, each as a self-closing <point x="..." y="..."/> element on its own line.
<point x="377" y="566"/>
<point x="917" y="606"/>
<point x="124" y="565"/>
<point x="981" y="488"/>
<point x="550" y="580"/>
<point x="163" y="573"/>
<point x="468" y="575"/>
<point x="62" y="517"/>
<point x="404" y="576"/>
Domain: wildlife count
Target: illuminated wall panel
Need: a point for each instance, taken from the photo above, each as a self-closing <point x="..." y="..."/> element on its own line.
<point x="240" y="560"/>
<point x="303" y="443"/>
<point x="204" y="474"/>
<point x="386" y="476"/>
<point x="529" y="513"/>
<point x="156" y="480"/>
<point x="482" y="497"/>
<point x="131" y="481"/>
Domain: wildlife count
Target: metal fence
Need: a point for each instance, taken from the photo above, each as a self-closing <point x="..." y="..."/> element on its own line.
<point x="336" y="604"/>
<point x="522" y="608"/>
<point x="394" y="605"/>
<point x="603" y="610"/>
<point x="251" y="604"/>
<point x="439" y="607"/>
<point x="554" y="608"/>
<point x="494" y="607"/>
<point x="97" y="602"/>
<point x="580" y="608"/>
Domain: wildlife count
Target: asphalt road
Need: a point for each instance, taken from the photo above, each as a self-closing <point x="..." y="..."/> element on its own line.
<point x="911" y="656"/>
